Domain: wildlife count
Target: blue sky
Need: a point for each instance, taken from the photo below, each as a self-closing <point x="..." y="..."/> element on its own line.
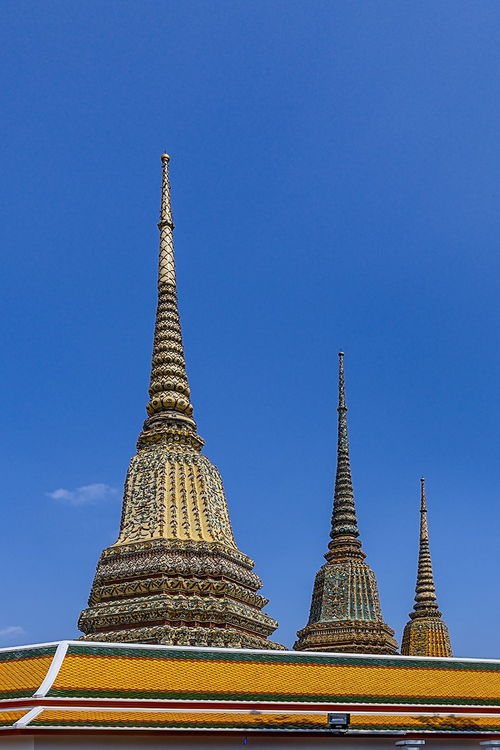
<point x="335" y="186"/>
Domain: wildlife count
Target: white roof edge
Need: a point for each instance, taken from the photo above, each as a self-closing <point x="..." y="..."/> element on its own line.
<point x="53" y="670"/>
<point x="23" y="722"/>
<point x="268" y="652"/>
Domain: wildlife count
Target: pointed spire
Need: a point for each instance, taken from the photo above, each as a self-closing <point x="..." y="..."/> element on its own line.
<point x="175" y="574"/>
<point x="425" y="590"/>
<point x="345" y="614"/>
<point x="344" y="530"/>
<point x="426" y="634"/>
<point x="169" y="408"/>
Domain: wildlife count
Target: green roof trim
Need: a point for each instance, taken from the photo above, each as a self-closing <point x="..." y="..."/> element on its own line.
<point x="5" y="695"/>
<point x="21" y="654"/>
<point x="273" y="697"/>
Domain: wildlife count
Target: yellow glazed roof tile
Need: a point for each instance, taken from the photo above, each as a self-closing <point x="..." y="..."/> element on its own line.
<point x="192" y="675"/>
<point x="22" y="671"/>
<point x="162" y="718"/>
<point x="7" y="718"/>
<point x="263" y="721"/>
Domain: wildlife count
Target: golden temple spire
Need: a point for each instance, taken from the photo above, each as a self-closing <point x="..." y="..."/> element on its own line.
<point x="425" y="596"/>
<point x="345" y="613"/>
<point x="169" y="407"/>
<point x="426" y="634"/>
<point x="175" y="575"/>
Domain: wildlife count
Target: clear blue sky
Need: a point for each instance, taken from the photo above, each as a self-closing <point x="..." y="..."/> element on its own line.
<point x="335" y="174"/>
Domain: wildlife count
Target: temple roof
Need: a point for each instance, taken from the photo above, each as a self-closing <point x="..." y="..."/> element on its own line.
<point x="81" y="685"/>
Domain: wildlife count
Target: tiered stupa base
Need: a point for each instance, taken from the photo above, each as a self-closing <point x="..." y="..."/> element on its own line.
<point x="347" y="637"/>
<point x="187" y="635"/>
<point x="177" y="593"/>
<point x="345" y="612"/>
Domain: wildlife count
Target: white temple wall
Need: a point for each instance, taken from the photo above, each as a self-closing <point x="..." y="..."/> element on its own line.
<point x="138" y="742"/>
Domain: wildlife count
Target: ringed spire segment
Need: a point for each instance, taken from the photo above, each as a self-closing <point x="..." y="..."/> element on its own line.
<point x="170" y="396"/>
<point x="425" y="590"/>
<point x="344" y="531"/>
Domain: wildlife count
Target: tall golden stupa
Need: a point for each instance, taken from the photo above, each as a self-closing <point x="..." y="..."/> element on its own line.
<point x="426" y="633"/>
<point x="175" y="575"/>
<point x="345" y="611"/>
